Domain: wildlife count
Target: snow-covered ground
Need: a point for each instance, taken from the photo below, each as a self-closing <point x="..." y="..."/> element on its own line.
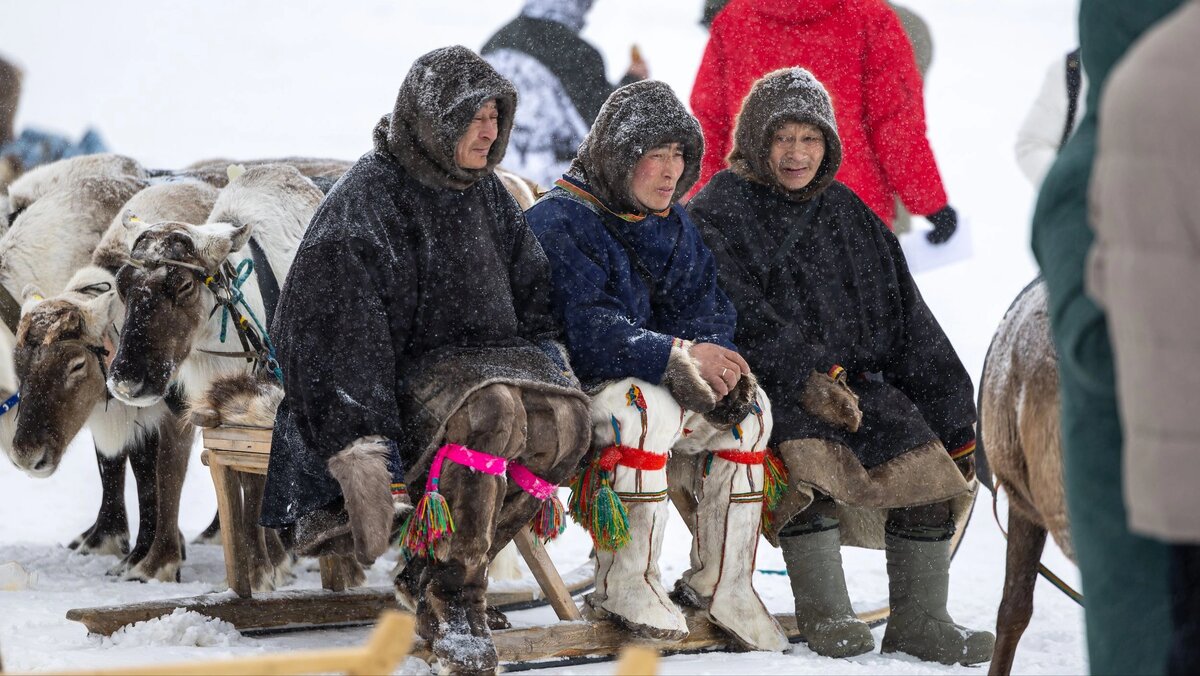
<point x="171" y="83"/>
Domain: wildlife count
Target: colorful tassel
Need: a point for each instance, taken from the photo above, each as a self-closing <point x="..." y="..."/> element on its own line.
<point x="428" y="523"/>
<point x="610" y="522"/>
<point x="597" y="507"/>
<point x="550" y="520"/>
<point x="774" y="480"/>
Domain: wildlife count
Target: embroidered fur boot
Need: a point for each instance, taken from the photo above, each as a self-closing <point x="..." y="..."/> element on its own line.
<point x="628" y="583"/>
<point x="724" y="546"/>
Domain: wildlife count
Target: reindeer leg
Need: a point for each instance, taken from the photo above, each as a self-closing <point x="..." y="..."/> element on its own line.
<point x="270" y="565"/>
<point x="1025" y="542"/>
<point x="143" y="458"/>
<point x="110" y="533"/>
<point x="165" y="555"/>
<point x="210" y="535"/>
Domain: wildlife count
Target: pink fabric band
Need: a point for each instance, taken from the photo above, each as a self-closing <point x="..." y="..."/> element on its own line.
<point x="531" y="483"/>
<point x="476" y="460"/>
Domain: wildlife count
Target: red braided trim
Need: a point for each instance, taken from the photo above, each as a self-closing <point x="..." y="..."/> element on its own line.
<point x="742" y="457"/>
<point x="631" y="457"/>
<point x="963" y="451"/>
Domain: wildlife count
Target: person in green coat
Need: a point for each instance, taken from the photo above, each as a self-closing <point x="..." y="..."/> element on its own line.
<point x="1125" y="577"/>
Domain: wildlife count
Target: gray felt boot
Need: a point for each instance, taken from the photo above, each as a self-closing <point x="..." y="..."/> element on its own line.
<point x="919" y="580"/>
<point x="823" y="612"/>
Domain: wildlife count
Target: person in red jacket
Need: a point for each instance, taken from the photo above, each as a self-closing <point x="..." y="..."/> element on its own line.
<point x="859" y="50"/>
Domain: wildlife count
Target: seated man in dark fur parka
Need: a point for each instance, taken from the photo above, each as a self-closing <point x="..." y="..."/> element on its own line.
<point x="873" y="408"/>
<point x="415" y="331"/>
<point x="651" y="333"/>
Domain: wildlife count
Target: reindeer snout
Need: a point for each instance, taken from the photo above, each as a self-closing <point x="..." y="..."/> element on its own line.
<point x="132" y="392"/>
<point x="37" y="463"/>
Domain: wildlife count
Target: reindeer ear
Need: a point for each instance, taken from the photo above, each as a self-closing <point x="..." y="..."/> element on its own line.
<point x="102" y="311"/>
<point x="31" y="295"/>
<point x="131" y="222"/>
<point x="215" y="241"/>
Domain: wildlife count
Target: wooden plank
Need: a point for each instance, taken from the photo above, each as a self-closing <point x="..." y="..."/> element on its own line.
<point x="546" y="575"/>
<point x="578" y="639"/>
<point x="239" y="461"/>
<point x="387" y="646"/>
<point x="260" y="434"/>
<point x="291" y="608"/>
<point x="243" y="445"/>
<point x="234" y="542"/>
<point x="333" y="575"/>
<point x="296" y="607"/>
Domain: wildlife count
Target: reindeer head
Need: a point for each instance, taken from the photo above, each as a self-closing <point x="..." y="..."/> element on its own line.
<point x="167" y="301"/>
<point x="60" y="362"/>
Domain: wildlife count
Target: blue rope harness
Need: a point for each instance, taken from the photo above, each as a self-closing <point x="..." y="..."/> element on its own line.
<point x="233" y="279"/>
<point x="10" y="403"/>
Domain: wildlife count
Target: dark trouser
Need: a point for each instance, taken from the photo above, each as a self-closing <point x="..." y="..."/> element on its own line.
<point x="930" y="523"/>
<point x="1185" y="610"/>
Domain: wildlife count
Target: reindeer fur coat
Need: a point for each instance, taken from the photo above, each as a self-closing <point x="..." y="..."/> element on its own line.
<point x="417" y="283"/>
<point x="818" y="280"/>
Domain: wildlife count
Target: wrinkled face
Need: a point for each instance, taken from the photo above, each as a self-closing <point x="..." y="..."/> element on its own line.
<point x="656" y="175"/>
<point x="796" y="153"/>
<point x="164" y="309"/>
<point x="474" y="146"/>
<point x="61" y="372"/>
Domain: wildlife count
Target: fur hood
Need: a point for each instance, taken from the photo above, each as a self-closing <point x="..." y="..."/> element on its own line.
<point x="437" y="101"/>
<point x="634" y="119"/>
<point x="785" y="95"/>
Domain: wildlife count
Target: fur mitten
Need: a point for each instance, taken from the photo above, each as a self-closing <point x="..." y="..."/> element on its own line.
<point x="683" y="379"/>
<point x="736" y="405"/>
<point x="828" y="397"/>
<point x="361" y="470"/>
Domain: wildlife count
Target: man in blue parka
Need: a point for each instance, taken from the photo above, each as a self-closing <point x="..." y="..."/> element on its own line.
<point x="651" y="335"/>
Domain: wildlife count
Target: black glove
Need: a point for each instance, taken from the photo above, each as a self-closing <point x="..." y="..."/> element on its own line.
<point x="945" y="222"/>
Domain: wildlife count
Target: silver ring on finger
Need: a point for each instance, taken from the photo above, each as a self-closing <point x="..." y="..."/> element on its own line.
<point x="723" y="372"/>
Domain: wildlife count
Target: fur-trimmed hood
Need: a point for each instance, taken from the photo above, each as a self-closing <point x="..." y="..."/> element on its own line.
<point x="570" y="13"/>
<point x="779" y="97"/>
<point x="634" y="119"/>
<point x="437" y="101"/>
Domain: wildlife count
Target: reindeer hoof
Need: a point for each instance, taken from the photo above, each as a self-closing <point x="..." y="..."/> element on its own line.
<point x="145" y="572"/>
<point x="90" y="542"/>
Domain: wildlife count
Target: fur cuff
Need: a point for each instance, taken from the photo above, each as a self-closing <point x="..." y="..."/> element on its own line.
<point x="830" y="399"/>
<point x="239" y="399"/>
<point x="683" y="379"/>
<point x="361" y="470"/>
<point x="736" y="405"/>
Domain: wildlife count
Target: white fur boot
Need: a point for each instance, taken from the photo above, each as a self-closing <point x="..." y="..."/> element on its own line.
<point x="723" y="553"/>
<point x="628" y="584"/>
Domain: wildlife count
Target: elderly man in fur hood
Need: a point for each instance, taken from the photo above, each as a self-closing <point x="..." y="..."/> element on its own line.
<point x="651" y="334"/>
<point x="417" y="342"/>
<point x="873" y="408"/>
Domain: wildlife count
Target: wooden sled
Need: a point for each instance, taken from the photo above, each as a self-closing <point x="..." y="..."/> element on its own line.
<point x="246" y="450"/>
<point x="232" y="450"/>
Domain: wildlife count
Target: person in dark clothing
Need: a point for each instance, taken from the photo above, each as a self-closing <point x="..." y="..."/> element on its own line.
<point x="873" y="408"/>
<point x="561" y="80"/>
<point x="418" y="346"/>
<point x="651" y="333"/>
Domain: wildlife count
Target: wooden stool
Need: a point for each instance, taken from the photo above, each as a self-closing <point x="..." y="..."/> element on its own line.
<point x="229" y="451"/>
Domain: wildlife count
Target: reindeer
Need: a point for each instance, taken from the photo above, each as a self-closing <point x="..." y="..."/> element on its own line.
<point x="52" y="219"/>
<point x="63" y="345"/>
<point x="1020" y="430"/>
<point x="176" y="329"/>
